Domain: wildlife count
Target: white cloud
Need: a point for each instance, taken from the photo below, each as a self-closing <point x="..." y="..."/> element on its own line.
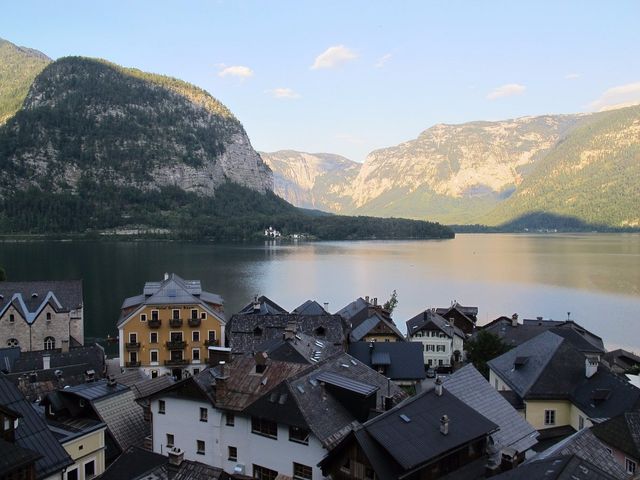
<point x="382" y="60"/>
<point x="333" y="57"/>
<point x="507" y="90"/>
<point x="572" y="76"/>
<point x="239" y="71"/>
<point x="617" y="97"/>
<point x="285" y="93"/>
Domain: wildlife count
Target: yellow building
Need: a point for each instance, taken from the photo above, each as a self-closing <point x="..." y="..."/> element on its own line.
<point x="84" y="441"/>
<point x="169" y="327"/>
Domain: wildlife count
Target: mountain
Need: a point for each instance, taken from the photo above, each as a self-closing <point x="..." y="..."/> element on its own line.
<point x="312" y="180"/>
<point x="531" y="172"/>
<point x="18" y="67"/>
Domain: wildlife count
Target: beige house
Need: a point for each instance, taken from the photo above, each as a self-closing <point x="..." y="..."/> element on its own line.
<point x="84" y="441"/>
<point x="41" y="315"/>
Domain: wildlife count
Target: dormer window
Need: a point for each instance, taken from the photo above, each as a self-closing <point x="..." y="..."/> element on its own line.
<point x="257" y="332"/>
<point x="321" y="331"/>
<point x="12" y="318"/>
<point x="34" y="295"/>
<point x="48" y="315"/>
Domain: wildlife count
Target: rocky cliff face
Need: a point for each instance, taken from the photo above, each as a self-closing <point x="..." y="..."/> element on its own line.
<point x="86" y="119"/>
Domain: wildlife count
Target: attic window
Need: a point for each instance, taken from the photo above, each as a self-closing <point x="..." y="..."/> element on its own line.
<point x="257" y="332"/>
<point x="34" y="295"/>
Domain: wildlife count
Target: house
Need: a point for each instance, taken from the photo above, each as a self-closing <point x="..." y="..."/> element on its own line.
<point x="15" y="461"/>
<point x="621" y="360"/>
<point x="246" y="333"/>
<point x="558" y="468"/>
<point x="430" y="435"/>
<point x="399" y="361"/>
<point x="442" y="342"/>
<point x="369" y="322"/>
<point x="515" y="437"/>
<point x="104" y="401"/>
<point x="464" y="318"/>
<point x="311" y="307"/>
<point x="513" y="333"/>
<point x="168" y="327"/>
<point x="41" y="315"/>
<point x="260" y="417"/>
<point x="30" y="437"/>
<point x="37" y="373"/>
<point x="559" y="387"/>
<point x="262" y="306"/>
<point x="298" y="347"/>
<point x="621" y="435"/>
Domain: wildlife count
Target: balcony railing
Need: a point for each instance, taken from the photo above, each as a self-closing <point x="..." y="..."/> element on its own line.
<point x="175" y="322"/>
<point x="178" y="361"/>
<point x="176" y="344"/>
<point x="194" y="322"/>
<point x="154" y="323"/>
<point x="211" y="343"/>
<point x="132" y="364"/>
<point x="133" y="345"/>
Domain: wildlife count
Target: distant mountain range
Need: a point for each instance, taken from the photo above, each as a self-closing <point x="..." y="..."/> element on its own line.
<point x="87" y="145"/>
<point x="551" y="171"/>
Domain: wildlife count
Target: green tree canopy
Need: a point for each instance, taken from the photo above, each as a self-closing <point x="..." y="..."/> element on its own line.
<point x="392" y="303"/>
<point x="484" y="347"/>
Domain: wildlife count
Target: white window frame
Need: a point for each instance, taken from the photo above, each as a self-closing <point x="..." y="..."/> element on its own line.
<point x="143" y="317"/>
<point x="162" y="407"/>
<point x="72" y="469"/>
<point x="193" y="334"/>
<point x="151" y="338"/>
<point x="204" y="447"/>
<point x="551" y="415"/>
<point x="176" y="331"/>
<point x="215" y="335"/>
<point x="173" y="437"/>
<point x="205" y="417"/>
<point x="95" y="468"/>
<point x="136" y="337"/>
<point x="173" y="316"/>
<point x="630" y="466"/>
<point x="157" y="312"/>
<point x="151" y="361"/>
<point x="203" y="315"/>
<point x="193" y="359"/>
<point x="12" y="318"/>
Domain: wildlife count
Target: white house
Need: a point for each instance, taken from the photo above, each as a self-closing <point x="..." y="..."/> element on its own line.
<point x="442" y="342"/>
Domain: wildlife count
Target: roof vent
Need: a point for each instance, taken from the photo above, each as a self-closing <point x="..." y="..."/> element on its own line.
<point x="438" y="386"/>
<point x="34" y="295"/>
<point x="166" y="275"/>
<point x="404" y="418"/>
<point x="520" y="362"/>
<point x="444" y="425"/>
<point x="111" y="381"/>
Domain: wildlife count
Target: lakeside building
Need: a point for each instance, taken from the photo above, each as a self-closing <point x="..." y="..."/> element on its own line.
<point x="401" y="362"/>
<point x="168" y="328"/>
<point x="442" y="342"/>
<point x="41" y="315"/>
<point x="369" y="322"/>
<point x="464" y="318"/>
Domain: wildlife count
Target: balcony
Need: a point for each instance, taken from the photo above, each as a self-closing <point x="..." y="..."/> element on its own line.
<point x="133" y="345"/>
<point x="132" y="364"/>
<point x="154" y="323"/>
<point x="211" y="343"/>
<point x="176" y="344"/>
<point x="176" y="362"/>
<point x="175" y="322"/>
<point x="194" y="322"/>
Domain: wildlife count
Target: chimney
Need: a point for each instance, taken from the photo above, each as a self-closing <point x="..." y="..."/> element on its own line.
<point x="591" y="367"/>
<point x="64" y="346"/>
<point x="111" y="381"/>
<point x="166" y="275"/>
<point x="46" y="362"/>
<point x="176" y="456"/>
<point x="256" y="304"/>
<point x="290" y="330"/>
<point x="452" y="321"/>
<point x="326" y="306"/>
<point x="514" y="320"/>
<point x="444" y="425"/>
<point x="366" y="299"/>
<point x="375" y="301"/>
<point x="439" y="386"/>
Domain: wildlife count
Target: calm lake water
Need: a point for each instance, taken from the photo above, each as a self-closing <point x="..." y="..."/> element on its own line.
<point x="596" y="277"/>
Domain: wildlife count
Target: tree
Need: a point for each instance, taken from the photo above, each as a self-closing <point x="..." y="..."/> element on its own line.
<point x="392" y="303"/>
<point x="484" y="347"/>
<point x="3" y="275"/>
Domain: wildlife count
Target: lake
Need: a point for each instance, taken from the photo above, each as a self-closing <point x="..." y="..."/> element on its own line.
<point x="595" y="277"/>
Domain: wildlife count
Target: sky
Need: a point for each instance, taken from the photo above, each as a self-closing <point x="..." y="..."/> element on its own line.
<point x="349" y="77"/>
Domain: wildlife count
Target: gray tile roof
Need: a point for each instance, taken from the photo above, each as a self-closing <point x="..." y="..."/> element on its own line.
<point x="29" y="298"/>
<point x="15" y="457"/>
<point x="364" y="327"/>
<point x="301" y="348"/>
<point x="587" y="446"/>
<point x="124" y="418"/>
<point x="621" y="432"/>
<point x="33" y="433"/>
<point x="353" y="309"/>
<point x="265" y="305"/>
<point x="404" y="359"/>
<point x="468" y="385"/>
<point x="557" y="468"/>
<point x="430" y="320"/>
<point x="310" y="307"/>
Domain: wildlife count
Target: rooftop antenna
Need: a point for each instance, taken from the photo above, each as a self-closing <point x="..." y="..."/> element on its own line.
<point x="568" y="316"/>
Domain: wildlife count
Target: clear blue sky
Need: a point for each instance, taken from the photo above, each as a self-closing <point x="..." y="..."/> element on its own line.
<point x="396" y="67"/>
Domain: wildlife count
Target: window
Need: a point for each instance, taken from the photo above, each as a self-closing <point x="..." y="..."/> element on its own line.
<point x="194" y="314"/>
<point x="630" y="465"/>
<point x="200" y="447"/>
<point x="153" y="337"/>
<point x="133" y="338"/>
<point x="49" y="343"/>
<point x="346" y="466"/>
<point x="430" y="347"/>
<point x="196" y="371"/>
<point x="368" y="473"/>
<point x="155" y="315"/>
<point x="161" y="408"/>
<point x="299" y="435"/>
<point x="176" y="336"/>
<point x="211" y="335"/>
<point x="440" y="362"/>
<point x="230" y="419"/>
<point x="153" y="354"/>
<point x="204" y="414"/>
<point x="133" y="357"/>
<point x="175" y="314"/>
<point x="261" y="426"/>
<point x="549" y="417"/>
<point x="440" y="348"/>
<point x="195" y="336"/>
<point x="143" y="317"/>
<point x="257" y="332"/>
<point x="233" y="454"/>
<point x="263" y="473"/>
<point x="90" y="469"/>
<point x="301" y="472"/>
<point x="203" y="315"/>
<point x="12" y="318"/>
<point x="48" y="315"/>
<point x="195" y="354"/>
<point x="170" y="440"/>
<point x="154" y="373"/>
<point x="72" y="474"/>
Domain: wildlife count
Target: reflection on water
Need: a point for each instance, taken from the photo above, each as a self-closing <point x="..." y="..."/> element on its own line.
<point x="596" y="277"/>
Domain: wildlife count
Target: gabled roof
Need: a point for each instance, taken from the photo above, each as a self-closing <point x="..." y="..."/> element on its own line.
<point x="403" y="360"/>
<point x="29" y="298"/>
<point x="468" y="385"/>
<point x="364" y="327"/>
<point x="310" y="307"/>
<point x="301" y="348"/>
<point x="557" y="468"/>
<point x="410" y="432"/>
<point x="33" y="433"/>
<point x="430" y="320"/>
<point x="350" y="311"/>
<point x="621" y="432"/>
<point x="471" y="313"/>
<point x="605" y="394"/>
<point x="265" y="306"/>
